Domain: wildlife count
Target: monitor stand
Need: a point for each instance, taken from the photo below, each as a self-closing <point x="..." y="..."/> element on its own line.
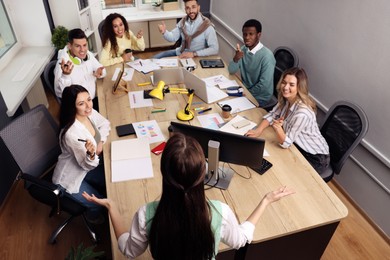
<point x="216" y="176"/>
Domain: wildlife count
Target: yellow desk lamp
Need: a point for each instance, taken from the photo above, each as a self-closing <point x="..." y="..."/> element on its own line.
<point x="184" y="115"/>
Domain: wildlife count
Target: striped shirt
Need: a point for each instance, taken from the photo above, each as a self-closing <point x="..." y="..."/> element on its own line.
<point x="300" y="127"/>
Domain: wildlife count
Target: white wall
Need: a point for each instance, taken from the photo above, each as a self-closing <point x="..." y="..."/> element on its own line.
<point x="344" y="47"/>
<point x="30" y="22"/>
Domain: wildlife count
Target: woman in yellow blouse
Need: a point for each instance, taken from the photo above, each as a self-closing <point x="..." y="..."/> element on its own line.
<point x="118" y="40"/>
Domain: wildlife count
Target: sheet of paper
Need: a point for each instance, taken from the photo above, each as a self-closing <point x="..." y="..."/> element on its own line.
<point x="166" y="62"/>
<point x="130" y="160"/>
<point x="228" y="127"/>
<point x="221" y="81"/>
<point x="210" y="121"/>
<point x="238" y="104"/>
<point x="144" y="66"/>
<point x="149" y="130"/>
<point x="127" y="75"/>
<point x="137" y="99"/>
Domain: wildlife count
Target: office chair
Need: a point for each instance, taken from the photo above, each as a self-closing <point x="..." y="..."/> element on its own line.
<point x="48" y="78"/>
<point x="100" y="29"/>
<point x="285" y="58"/>
<point x="32" y="141"/>
<point x="344" y="127"/>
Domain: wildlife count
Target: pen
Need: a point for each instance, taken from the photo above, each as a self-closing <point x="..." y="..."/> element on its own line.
<point x="158" y="110"/>
<point x="82" y="140"/>
<point x="205" y="110"/>
<point x="187" y="61"/>
<point x="140" y="63"/>
<point x="144" y="84"/>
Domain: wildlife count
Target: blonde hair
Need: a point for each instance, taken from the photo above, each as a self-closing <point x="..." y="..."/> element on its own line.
<point x="302" y="88"/>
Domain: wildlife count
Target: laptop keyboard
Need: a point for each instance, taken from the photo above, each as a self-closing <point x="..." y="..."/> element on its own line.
<point x="265" y="166"/>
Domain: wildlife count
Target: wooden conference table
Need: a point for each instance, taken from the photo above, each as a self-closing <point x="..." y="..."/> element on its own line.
<point x="296" y="227"/>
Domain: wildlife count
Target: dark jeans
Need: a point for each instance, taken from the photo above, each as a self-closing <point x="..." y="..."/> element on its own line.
<point x="93" y="183"/>
<point x="319" y="161"/>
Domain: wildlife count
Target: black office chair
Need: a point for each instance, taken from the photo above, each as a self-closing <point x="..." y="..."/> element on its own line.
<point x="344" y="127"/>
<point x="285" y="58"/>
<point x="48" y="78"/>
<point x="100" y="29"/>
<point x="32" y="141"/>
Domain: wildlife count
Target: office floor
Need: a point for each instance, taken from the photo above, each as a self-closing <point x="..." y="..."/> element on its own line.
<point x="26" y="227"/>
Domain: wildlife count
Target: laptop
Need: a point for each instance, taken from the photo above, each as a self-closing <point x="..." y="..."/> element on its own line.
<point x="171" y="76"/>
<point x="208" y="94"/>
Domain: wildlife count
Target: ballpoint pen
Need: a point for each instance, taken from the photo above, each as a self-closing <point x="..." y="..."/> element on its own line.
<point x="205" y="110"/>
<point x="82" y="140"/>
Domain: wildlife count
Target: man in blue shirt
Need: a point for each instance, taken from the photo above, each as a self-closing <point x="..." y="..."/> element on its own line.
<point x="196" y="31"/>
<point x="255" y="62"/>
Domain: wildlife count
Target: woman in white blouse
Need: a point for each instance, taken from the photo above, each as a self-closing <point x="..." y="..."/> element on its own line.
<point x="294" y="120"/>
<point x="184" y="224"/>
<point x="83" y="132"/>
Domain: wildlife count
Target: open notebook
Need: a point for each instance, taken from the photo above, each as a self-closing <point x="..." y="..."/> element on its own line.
<point x="130" y="160"/>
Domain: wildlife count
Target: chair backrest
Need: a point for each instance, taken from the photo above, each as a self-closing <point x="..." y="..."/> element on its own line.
<point x="344" y="127"/>
<point x="48" y="78"/>
<point x="285" y="58"/>
<point x="32" y="139"/>
<point x="100" y="29"/>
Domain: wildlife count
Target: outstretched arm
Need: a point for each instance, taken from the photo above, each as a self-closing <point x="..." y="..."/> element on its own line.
<point x="116" y="219"/>
<point x="268" y="199"/>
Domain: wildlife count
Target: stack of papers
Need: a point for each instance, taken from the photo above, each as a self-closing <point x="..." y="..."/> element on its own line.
<point x="130" y="160"/>
<point x="238" y="104"/>
<point x="221" y="81"/>
<point x="144" y="66"/>
<point x="166" y="62"/>
<point x="137" y="100"/>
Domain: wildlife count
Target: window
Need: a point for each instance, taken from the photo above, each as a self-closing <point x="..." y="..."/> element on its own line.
<point x="7" y="35"/>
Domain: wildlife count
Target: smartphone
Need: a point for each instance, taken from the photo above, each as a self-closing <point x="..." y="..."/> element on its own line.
<point x="159" y="148"/>
<point x="240" y="124"/>
<point x="123" y="130"/>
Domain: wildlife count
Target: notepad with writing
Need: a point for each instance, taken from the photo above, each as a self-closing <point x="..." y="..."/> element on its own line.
<point x="131" y="160"/>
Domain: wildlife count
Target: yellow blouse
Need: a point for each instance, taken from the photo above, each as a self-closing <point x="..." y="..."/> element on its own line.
<point x="124" y="43"/>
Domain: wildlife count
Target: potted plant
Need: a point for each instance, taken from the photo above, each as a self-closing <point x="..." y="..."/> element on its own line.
<point x="169" y="5"/>
<point x="81" y="253"/>
<point x="59" y="37"/>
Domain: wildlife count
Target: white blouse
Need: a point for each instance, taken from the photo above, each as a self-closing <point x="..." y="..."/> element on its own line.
<point x="233" y="234"/>
<point x="73" y="163"/>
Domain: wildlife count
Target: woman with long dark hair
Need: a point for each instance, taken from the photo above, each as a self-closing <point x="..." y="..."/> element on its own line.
<point x="184" y="224"/>
<point x="118" y="40"/>
<point x="83" y="132"/>
<point x="294" y="119"/>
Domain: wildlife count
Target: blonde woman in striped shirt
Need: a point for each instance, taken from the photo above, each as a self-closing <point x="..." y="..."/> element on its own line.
<point x="294" y="119"/>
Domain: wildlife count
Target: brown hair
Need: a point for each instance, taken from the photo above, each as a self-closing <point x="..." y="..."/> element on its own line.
<point x="181" y="227"/>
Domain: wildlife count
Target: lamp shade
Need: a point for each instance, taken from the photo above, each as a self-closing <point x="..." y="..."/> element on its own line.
<point x="158" y="92"/>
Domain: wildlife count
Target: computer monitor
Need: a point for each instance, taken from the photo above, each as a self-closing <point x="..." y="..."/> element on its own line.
<point x="233" y="148"/>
